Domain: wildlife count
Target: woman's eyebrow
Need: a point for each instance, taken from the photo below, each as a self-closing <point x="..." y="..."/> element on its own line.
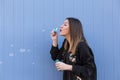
<point x="65" y="22"/>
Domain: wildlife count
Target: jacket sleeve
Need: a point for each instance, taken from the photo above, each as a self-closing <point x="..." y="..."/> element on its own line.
<point x="85" y="65"/>
<point x="56" y="53"/>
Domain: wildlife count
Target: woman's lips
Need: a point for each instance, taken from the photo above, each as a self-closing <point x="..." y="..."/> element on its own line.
<point x="60" y="30"/>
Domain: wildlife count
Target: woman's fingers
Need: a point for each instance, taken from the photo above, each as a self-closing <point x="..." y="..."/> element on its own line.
<point x="59" y="65"/>
<point x="52" y="33"/>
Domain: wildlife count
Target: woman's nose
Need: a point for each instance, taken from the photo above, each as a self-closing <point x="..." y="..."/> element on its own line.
<point x="61" y="26"/>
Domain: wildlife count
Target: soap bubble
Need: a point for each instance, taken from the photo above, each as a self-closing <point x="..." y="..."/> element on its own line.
<point x="1" y="62"/>
<point x="43" y="30"/>
<point x="22" y="50"/>
<point x="11" y="45"/>
<point x="11" y="54"/>
<point x="33" y="63"/>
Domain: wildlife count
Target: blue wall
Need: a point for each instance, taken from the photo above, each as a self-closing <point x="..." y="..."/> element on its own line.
<point x="25" y="42"/>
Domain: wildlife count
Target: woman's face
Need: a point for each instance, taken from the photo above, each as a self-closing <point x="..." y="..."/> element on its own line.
<point x="64" y="28"/>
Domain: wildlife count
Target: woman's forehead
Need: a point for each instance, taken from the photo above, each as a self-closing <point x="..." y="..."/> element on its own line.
<point x="66" y="22"/>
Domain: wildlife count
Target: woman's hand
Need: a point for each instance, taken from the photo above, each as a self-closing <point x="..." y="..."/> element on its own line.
<point x="63" y="66"/>
<point x="54" y="37"/>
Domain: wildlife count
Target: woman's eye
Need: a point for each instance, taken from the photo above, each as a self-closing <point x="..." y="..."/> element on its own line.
<point x="65" y="25"/>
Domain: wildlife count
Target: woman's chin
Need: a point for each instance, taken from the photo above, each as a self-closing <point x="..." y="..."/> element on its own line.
<point x="62" y="35"/>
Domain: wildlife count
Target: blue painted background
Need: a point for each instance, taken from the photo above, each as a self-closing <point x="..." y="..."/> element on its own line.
<point x="25" y="42"/>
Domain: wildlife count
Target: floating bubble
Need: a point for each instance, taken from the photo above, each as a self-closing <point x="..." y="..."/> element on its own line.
<point x="11" y="45"/>
<point x="11" y="54"/>
<point x="22" y="50"/>
<point x="33" y="63"/>
<point x="43" y="30"/>
<point x="1" y="62"/>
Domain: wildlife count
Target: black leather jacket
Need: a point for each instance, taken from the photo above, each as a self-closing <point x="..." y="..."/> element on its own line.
<point x="83" y="66"/>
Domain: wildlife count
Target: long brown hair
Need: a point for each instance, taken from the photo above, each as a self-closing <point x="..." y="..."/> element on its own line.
<point x="76" y="34"/>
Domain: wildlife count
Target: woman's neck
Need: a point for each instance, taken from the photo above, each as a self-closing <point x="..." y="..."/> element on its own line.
<point x="68" y="38"/>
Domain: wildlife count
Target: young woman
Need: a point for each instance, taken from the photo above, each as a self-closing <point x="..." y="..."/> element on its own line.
<point x="75" y="55"/>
